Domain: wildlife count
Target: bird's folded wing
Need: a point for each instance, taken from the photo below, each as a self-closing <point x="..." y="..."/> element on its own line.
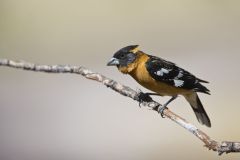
<point x="167" y="72"/>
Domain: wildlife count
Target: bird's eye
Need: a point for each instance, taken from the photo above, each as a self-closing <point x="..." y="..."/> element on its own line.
<point x="122" y="55"/>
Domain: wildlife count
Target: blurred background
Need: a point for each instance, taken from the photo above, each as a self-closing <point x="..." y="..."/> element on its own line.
<point x="66" y="117"/>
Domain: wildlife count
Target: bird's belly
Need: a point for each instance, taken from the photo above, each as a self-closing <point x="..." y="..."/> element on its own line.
<point x="160" y="87"/>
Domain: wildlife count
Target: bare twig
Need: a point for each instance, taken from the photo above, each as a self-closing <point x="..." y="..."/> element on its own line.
<point x="220" y="147"/>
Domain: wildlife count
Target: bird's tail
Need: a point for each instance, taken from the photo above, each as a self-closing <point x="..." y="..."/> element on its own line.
<point x="201" y="88"/>
<point x="198" y="109"/>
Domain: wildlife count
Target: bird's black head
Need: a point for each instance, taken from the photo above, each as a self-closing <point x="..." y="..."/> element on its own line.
<point x="124" y="56"/>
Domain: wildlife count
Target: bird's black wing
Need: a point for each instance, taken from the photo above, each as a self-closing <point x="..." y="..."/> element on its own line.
<point x="167" y="72"/>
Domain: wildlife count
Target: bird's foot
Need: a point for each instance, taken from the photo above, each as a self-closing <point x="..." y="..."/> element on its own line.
<point x="143" y="97"/>
<point x="161" y="110"/>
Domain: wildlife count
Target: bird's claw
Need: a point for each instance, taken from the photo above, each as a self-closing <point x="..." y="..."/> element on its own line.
<point x="140" y="104"/>
<point x="161" y="110"/>
<point x="143" y="97"/>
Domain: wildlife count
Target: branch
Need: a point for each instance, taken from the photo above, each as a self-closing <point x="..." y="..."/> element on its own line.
<point x="220" y="147"/>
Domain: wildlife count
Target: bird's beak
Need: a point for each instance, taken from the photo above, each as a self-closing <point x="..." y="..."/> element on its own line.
<point x="113" y="62"/>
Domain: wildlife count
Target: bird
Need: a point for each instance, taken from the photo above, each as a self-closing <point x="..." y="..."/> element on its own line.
<point x="163" y="77"/>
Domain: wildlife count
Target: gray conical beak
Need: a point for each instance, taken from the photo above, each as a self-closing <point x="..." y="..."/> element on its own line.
<point x="113" y="62"/>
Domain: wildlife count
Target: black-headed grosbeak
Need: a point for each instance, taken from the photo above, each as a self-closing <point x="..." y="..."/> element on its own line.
<point x="163" y="77"/>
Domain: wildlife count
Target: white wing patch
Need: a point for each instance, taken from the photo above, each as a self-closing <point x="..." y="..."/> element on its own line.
<point x="180" y="74"/>
<point x="178" y="83"/>
<point x="162" y="71"/>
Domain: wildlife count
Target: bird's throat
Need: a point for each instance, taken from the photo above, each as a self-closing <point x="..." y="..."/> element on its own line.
<point x="127" y="69"/>
<point x="141" y="58"/>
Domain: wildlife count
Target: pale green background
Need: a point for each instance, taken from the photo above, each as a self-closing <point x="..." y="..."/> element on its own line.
<point x="66" y="117"/>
